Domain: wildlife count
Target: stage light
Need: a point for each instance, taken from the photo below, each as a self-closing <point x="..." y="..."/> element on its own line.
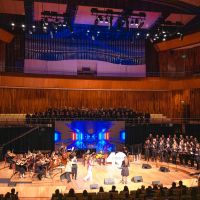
<point x="136" y="22"/>
<point x="45" y="28"/>
<point x="46" y="23"/>
<point x="132" y="22"/>
<point x="33" y="26"/>
<point x="98" y="32"/>
<point x="106" y="20"/>
<point x="12" y="24"/>
<point x="23" y="26"/>
<point x="88" y="31"/>
<point x="147" y="35"/>
<point x="100" y="19"/>
<point x="138" y="34"/>
<point x="122" y="135"/>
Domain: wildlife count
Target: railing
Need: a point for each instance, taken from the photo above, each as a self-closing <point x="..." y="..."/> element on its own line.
<point x="20" y="119"/>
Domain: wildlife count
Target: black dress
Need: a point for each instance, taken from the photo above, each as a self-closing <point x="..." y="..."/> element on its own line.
<point x="125" y="170"/>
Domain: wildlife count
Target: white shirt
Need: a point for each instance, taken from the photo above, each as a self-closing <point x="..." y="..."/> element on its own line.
<point x="68" y="167"/>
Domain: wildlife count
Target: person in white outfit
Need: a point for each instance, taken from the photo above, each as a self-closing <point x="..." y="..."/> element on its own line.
<point x="89" y="170"/>
<point x="68" y="170"/>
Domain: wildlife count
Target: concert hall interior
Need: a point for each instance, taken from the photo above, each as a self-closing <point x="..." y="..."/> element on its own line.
<point x="99" y="99"/>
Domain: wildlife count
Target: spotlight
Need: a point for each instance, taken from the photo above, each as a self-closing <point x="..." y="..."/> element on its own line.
<point x="106" y="20"/>
<point x="100" y="19"/>
<point x="136" y="22"/>
<point x="132" y="22"/>
<point x="46" y="23"/>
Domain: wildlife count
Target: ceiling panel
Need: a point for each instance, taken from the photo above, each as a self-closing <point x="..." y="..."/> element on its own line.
<point x="12" y="7"/>
<point x="180" y="18"/>
<point x="193" y="2"/>
<point x="40" y="7"/>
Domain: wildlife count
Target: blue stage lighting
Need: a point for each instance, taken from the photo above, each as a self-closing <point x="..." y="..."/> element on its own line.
<point x="57" y="136"/>
<point x="122" y="135"/>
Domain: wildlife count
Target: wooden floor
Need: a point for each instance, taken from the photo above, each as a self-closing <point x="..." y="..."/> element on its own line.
<point x="30" y="188"/>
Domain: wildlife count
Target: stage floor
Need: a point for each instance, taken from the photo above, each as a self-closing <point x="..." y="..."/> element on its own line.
<point x="30" y="187"/>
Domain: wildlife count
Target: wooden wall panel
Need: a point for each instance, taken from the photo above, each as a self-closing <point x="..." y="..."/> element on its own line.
<point x="180" y="62"/>
<point x="2" y="56"/>
<point x="36" y="100"/>
<point x="177" y="43"/>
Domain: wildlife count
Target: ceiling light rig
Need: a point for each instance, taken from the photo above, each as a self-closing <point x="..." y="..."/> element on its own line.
<point x="130" y="20"/>
<point x="167" y="30"/>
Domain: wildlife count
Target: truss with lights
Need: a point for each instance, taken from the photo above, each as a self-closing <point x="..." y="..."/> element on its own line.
<point x="129" y="19"/>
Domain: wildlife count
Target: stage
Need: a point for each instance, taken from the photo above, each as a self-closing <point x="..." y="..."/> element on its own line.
<point x="30" y="186"/>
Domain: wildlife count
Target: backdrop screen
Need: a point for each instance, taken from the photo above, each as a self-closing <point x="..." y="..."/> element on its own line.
<point x="98" y="135"/>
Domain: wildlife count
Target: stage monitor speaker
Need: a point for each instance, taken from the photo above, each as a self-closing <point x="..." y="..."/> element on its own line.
<point x="94" y="186"/>
<point x="63" y="176"/>
<point x="137" y="179"/>
<point x="146" y="166"/>
<point x="164" y="169"/>
<point x="109" y="181"/>
<point x="12" y="184"/>
<point x="155" y="182"/>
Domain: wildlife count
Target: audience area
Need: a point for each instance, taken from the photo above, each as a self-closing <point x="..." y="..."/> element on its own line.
<point x="155" y="192"/>
<point x="52" y="114"/>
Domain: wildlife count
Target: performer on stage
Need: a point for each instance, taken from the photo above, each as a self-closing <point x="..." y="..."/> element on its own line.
<point x="89" y="170"/>
<point x="68" y="170"/>
<point x="125" y="170"/>
<point x="74" y="167"/>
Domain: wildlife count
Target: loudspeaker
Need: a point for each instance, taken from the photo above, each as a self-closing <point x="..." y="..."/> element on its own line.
<point x="94" y="186"/>
<point x="12" y="184"/>
<point x="155" y="182"/>
<point x="137" y="179"/>
<point x="63" y="176"/>
<point x="146" y="166"/>
<point x="109" y="181"/>
<point x="164" y="169"/>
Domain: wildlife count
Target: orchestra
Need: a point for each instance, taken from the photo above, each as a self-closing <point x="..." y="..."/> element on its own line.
<point x="182" y="150"/>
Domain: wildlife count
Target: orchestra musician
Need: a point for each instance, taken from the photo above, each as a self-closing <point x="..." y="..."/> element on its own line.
<point x="21" y="166"/>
